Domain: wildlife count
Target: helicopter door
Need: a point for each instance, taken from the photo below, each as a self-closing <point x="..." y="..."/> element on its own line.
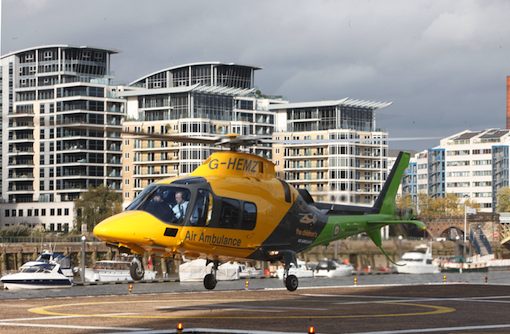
<point x="202" y="212"/>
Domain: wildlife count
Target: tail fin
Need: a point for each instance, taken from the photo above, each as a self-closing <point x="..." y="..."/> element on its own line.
<point x="385" y="202"/>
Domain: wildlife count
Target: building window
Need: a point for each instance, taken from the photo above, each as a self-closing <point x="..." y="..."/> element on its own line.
<point x="59" y="212"/>
<point x="52" y="213"/>
<point x="43" y="212"/>
<point x="20" y="213"/>
<point x="7" y="213"/>
<point x="36" y="212"/>
<point x="29" y="213"/>
<point x="66" y="212"/>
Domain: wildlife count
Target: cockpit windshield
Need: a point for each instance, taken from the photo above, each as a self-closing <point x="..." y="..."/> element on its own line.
<point x="167" y="203"/>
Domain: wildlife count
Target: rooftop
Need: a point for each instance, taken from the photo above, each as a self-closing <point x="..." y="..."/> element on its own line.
<point x="343" y="102"/>
<point x="192" y="64"/>
<point x="182" y="89"/>
<point x="111" y="51"/>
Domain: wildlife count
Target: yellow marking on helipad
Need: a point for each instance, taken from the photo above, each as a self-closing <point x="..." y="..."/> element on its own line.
<point x="50" y="310"/>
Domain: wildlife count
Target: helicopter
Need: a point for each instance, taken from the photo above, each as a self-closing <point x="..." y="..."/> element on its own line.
<point x="234" y="207"/>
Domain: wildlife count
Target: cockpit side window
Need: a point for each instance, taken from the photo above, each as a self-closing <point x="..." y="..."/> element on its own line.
<point x="140" y="197"/>
<point x="167" y="203"/>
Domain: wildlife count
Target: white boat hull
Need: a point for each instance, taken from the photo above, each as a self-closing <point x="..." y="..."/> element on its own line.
<point x="24" y="286"/>
<point x="94" y="275"/>
<point x="411" y="268"/>
<point x="196" y="270"/>
<point x="339" y="272"/>
<point x="299" y="273"/>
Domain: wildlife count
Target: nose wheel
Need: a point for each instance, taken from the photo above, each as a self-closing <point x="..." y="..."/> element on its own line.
<point x="210" y="279"/>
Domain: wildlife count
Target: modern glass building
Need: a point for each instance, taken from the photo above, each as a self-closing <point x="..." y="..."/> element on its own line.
<point x="60" y="132"/>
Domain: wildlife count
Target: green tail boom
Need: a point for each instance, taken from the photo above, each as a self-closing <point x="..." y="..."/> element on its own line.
<point x="345" y="221"/>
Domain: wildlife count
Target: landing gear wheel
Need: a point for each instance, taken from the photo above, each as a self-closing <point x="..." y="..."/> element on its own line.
<point x="291" y="282"/>
<point x="210" y="281"/>
<point x="136" y="270"/>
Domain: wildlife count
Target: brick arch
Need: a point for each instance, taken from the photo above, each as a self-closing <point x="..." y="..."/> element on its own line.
<point x="437" y="227"/>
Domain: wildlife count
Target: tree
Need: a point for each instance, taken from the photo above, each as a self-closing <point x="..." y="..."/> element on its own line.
<point x="17" y="230"/>
<point x="503" y="200"/>
<point x="95" y="205"/>
<point x="404" y="205"/>
<point x="448" y="206"/>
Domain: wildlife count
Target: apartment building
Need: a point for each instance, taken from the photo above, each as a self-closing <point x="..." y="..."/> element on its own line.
<point x="332" y="148"/>
<point x="469" y="164"/>
<point x="199" y="99"/>
<point x="61" y="124"/>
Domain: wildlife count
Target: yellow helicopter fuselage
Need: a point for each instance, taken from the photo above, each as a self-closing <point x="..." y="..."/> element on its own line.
<point x="234" y="207"/>
<point x="245" y="178"/>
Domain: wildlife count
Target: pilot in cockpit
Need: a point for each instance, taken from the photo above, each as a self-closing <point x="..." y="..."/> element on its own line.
<point x="181" y="205"/>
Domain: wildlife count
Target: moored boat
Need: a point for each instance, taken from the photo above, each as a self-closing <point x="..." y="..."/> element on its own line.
<point x="195" y="271"/>
<point x="330" y="268"/>
<point x="37" y="276"/>
<point x="113" y="271"/>
<point x="418" y="261"/>
<point x="301" y="271"/>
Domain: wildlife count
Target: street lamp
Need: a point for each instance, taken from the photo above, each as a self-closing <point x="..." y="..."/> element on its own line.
<point x="457" y="244"/>
<point x="83" y="245"/>
<point x="466" y="196"/>
<point x="400" y="246"/>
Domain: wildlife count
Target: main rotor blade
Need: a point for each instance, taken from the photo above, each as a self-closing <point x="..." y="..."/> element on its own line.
<point x="358" y="140"/>
<point x="174" y="138"/>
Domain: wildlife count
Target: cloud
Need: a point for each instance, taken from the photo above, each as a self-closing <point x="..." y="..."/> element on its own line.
<point x="443" y="64"/>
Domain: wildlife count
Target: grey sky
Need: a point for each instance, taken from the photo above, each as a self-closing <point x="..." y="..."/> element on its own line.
<point x="442" y="63"/>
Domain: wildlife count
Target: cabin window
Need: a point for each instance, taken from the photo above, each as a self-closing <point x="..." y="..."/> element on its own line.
<point x="230" y="213"/>
<point x="249" y="216"/>
<point x="238" y="215"/>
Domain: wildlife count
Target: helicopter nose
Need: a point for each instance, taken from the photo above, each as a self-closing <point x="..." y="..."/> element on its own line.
<point x="129" y="227"/>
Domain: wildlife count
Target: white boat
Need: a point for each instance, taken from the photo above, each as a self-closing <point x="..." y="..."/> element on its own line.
<point x="418" y="261"/>
<point x="113" y="271"/>
<point x="249" y="272"/>
<point x="195" y="271"/>
<point x="330" y="268"/>
<point x="301" y="271"/>
<point x="37" y="276"/>
<point x="459" y="264"/>
<point x="52" y="257"/>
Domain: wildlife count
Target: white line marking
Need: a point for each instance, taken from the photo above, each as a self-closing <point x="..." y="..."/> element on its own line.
<point x="60" y="317"/>
<point x="437" y="329"/>
<point x="216" y="330"/>
<point x="2" y="324"/>
<point x="400" y="299"/>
